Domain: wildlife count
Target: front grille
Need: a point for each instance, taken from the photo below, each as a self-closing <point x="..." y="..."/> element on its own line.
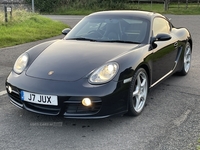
<point x="44" y="109"/>
<point x="80" y="109"/>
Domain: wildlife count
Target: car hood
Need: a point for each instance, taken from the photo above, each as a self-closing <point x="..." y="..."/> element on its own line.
<point x="70" y="60"/>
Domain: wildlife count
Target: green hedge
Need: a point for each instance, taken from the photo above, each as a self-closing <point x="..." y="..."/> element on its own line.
<point x="50" y="6"/>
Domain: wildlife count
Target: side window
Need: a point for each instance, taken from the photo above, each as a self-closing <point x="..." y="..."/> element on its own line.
<point x="136" y="30"/>
<point x="160" y="25"/>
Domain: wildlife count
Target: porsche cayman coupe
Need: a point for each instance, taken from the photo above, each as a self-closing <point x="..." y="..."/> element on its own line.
<point x="104" y="66"/>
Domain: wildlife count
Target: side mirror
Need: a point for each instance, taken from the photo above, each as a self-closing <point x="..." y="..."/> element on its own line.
<point x="66" y="31"/>
<point x="163" y="37"/>
<point x="159" y="37"/>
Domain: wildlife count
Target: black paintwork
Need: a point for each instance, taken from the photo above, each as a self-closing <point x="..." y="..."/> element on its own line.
<point x="74" y="60"/>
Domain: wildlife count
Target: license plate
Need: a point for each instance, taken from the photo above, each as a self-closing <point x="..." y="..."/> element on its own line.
<point x="39" y="98"/>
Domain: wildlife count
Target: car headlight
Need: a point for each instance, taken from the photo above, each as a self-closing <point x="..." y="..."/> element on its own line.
<point x="21" y="63"/>
<point x="104" y="74"/>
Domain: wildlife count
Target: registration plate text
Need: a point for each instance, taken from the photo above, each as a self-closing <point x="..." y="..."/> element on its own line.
<point x="39" y="98"/>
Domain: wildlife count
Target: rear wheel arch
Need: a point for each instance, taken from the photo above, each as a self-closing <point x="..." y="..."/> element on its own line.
<point x="190" y="42"/>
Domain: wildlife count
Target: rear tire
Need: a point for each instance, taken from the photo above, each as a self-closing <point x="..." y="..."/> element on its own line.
<point x="187" y="60"/>
<point x="138" y="92"/>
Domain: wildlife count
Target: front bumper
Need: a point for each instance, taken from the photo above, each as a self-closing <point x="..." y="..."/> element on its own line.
<point x="107" y="99"/>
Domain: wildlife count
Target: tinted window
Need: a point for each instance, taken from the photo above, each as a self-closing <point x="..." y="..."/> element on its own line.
<point x="160" y="25"/>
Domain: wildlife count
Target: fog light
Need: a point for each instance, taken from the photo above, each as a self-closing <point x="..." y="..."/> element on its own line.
<point x="86" y="102"/>
<point x="9" y="89"/>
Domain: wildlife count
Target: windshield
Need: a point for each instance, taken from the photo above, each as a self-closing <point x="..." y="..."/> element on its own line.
<point x="111" y="29"/>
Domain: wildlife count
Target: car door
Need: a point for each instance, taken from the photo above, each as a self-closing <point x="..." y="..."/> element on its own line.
<point x="164" y="55"/>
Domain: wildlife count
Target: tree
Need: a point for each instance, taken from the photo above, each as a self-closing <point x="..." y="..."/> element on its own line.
<point x="166" y="4"/>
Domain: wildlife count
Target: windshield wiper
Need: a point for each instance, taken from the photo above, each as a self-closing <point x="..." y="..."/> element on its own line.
<point x="111" y="41"/>
<point x="120" y="41"/>
<point x="81" y="39"/>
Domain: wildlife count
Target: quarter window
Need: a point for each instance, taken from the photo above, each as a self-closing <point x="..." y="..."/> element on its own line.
<point x="160" y="25"/>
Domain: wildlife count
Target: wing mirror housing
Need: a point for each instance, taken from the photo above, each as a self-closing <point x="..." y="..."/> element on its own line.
<point x="66" y="31"/>
<point x="159" y="37"/>
<point x="163" y="37"/>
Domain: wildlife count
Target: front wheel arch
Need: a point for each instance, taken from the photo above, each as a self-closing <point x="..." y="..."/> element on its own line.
<point x="147" y="69"/>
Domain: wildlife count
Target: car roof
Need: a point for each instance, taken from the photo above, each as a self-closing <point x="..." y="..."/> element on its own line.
<point x="137" y="13"/>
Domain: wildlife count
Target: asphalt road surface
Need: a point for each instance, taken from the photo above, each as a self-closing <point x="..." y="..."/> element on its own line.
<point x="170" y="121"/>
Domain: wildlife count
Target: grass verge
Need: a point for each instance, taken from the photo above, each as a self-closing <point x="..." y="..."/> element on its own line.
<point x="27" y="27"/>
<point x="198" y="145"/>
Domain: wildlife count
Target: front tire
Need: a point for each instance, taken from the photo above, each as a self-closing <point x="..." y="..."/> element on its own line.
<point x="138" y="92"/>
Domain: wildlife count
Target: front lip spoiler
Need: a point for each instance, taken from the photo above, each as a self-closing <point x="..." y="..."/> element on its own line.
<point x="96" y="117"/>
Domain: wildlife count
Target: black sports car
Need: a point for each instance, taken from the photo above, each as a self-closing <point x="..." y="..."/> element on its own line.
<point x="104" y="66"/>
